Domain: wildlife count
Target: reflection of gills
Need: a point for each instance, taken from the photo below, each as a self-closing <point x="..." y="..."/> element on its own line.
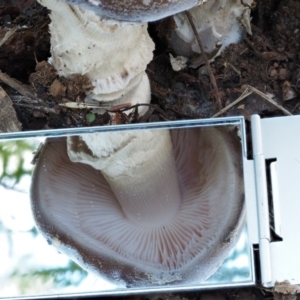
<point x="140" y="169"/>
<point x="165" y="205"/>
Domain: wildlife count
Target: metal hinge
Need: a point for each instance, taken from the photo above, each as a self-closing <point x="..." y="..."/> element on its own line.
<point x="276" y="175"/>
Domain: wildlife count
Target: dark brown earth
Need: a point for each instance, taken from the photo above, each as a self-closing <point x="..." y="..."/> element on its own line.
<point x="268" y="61"/>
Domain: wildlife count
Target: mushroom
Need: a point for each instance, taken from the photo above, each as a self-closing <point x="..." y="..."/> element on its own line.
<point x="143" y="206"/>
<point x="108" y="42"/>
<point x="113" y="55"/>
<point x="218" y="22"/>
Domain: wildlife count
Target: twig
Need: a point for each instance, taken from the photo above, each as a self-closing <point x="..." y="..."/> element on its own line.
<point x="19" y="87"/>
<point x="234" y="69"/>
<point x="258" y="92"/>
<point x="246" y="4"/>
<point x="143" y="104"/>
<point x="250" y="44"/>
<point x="20" y="98"/>
<point x="40" y="108"/>
<point x="147" y="115"/>
<point x="78" y="105"/>
<point x="119" y="107"/>
<point x="8" y="35"/>
<point x="76" y="119"/>
<point x="209" y="70"/>
<point x="8" y="118"/>
<point x="247" y="92"/>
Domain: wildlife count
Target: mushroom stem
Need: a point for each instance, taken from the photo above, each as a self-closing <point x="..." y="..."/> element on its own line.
<point x="112" y="54"/>
<point x="140" y="169"/>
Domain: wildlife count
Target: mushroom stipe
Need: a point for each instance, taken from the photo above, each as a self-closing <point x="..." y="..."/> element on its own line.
<point x="76" y="208"/>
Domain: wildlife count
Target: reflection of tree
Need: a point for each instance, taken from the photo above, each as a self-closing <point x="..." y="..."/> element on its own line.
<point x="12" y="152"/>
<point x="14" y="165"/>
<point x="72" y="274"/>
<point x="231" y="271"/>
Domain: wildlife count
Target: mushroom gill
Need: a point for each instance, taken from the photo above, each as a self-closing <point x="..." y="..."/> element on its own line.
<point x="177" y="220"/>
<point x="136" y="10"/>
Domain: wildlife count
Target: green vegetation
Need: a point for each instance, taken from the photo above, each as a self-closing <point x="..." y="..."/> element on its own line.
<point x="59" y="277"/>
<point x="90" y="117"/>
<point x="12" y="162"/>
<point x="15" y="157"/>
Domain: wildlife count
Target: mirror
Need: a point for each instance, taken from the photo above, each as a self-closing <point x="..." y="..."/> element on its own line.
<point x="43" y="242"/>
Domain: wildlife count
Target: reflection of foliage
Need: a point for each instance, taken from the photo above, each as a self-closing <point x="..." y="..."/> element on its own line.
<point x="231" y="270"/>
<point x="34" y="231"/>
<point x="14" y="150"/>
<point x="14" y="164"/>
<point x="71" y="274"/>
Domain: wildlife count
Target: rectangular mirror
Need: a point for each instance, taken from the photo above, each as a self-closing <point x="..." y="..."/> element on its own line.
<point x="142" y="208"/>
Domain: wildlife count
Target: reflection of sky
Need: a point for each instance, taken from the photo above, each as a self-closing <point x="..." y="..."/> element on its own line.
<point x="23" y="252"/>
<point x="236" y="267"/>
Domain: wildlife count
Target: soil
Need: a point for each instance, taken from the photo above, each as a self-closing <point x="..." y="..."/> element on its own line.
<point x="268" y="61"/>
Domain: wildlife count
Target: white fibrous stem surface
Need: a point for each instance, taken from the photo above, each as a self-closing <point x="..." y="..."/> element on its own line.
<point x="140" y="169"/>
<point x="112" y="54"/>
<point x="218" y="22"/>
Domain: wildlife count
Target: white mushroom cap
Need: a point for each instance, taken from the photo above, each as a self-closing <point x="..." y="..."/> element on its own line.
<point x="76" y="209"/>
<point x="137" y="10"/>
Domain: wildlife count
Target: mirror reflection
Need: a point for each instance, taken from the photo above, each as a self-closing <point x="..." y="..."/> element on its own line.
<point x="136" y="209"/>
